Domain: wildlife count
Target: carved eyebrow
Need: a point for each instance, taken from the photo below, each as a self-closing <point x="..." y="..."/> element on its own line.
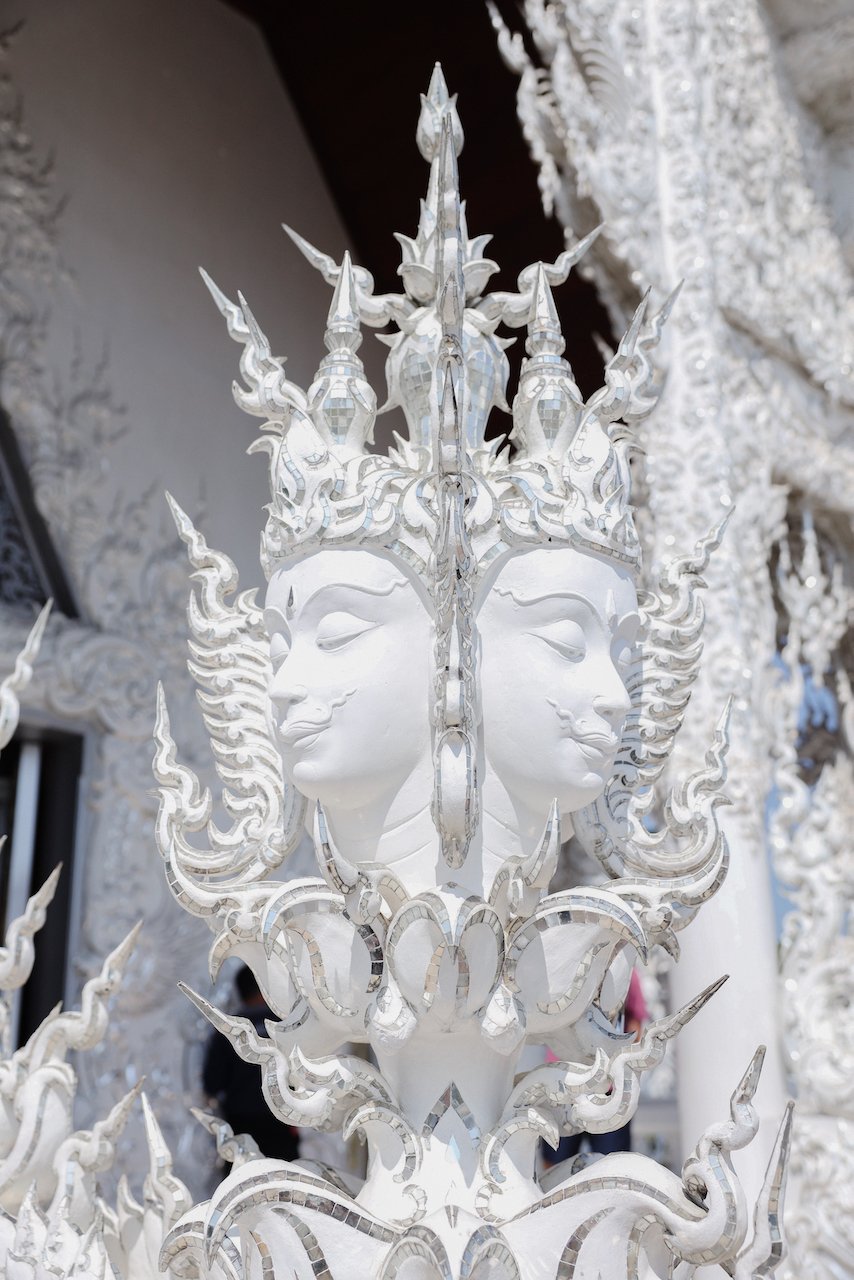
<point x="274" y="618"/>
<point x="613" y="622"/>
<point x="358" y="588"/>
<point x="526" y="601"/>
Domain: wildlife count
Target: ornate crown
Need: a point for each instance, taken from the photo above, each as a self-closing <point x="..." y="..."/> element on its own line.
<point x="565" y="477"/>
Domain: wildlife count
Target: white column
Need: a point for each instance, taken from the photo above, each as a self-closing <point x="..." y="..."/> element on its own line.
<point x="730" y="936"/>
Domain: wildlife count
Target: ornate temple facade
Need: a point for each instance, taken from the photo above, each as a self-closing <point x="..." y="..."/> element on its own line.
<point x="111" y="198"/>
<point x="714" y="142"/>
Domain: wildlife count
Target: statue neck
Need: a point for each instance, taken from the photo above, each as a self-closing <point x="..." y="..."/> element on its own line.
<point x="401" y="834"/>
<point x="397" y="832"/>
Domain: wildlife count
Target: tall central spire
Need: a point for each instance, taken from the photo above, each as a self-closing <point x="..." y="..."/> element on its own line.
<point x="456" y="807"/>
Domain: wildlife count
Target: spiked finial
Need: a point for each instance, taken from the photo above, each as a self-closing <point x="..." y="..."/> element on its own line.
<point x="341" y="401"/>
<point x="545" y="413"/>
<point x="343" y="330"/>
<point x="437" y="106"/>
<point x="544" y="332"/>
<point x="449" y="245"/>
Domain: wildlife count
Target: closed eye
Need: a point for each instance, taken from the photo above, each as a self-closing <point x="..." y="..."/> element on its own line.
<point x="571" y="649"/>
<point x="337" y="630"/>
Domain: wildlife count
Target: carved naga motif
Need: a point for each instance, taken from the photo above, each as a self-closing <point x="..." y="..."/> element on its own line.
<point x="451" y="672"/>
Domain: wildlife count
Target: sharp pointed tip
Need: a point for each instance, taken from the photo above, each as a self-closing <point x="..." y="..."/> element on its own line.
<point x="123" y="951"/>
<point x="182" y="521"/>
<point x="223" y="303"/>
<point x="50" y="882"/>
<point x="153" y="1132"/>
<point x="640" y="313"/>
<point x="749" y="1082"/>
<point x="343" y="310"/>
<point x="543" y="310"/>
<point x="705" y="996"/>
<point x="43" y="615"/>
<point x="724" y="521"/>
<point x="670" y="302"/>
<point x="437" y="90"/>
<point x="204" y="1006"/>
<point x="580" y="247"/>
<point x="313" y="255"/>
<point x="132" y="1094"/>
<point x="774" y="1183"/>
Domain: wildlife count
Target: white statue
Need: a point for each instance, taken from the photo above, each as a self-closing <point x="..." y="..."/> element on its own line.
<point x="451" y="672"/>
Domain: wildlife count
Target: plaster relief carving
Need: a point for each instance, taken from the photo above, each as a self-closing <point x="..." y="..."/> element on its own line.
<point x="97" y="673"/>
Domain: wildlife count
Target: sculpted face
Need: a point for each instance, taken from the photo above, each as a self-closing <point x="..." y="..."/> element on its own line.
<point x="351" y="647"/>
<point x="557" y="630"/>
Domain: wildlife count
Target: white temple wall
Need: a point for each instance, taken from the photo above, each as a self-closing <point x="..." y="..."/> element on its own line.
<point x="175" y="145"/>
<point x="152" y="137"/>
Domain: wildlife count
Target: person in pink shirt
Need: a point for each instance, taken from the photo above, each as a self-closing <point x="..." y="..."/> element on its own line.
<point x="635" y="1014"/>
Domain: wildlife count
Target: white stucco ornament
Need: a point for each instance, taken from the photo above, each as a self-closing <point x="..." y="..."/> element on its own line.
<point x="450" y="673"/>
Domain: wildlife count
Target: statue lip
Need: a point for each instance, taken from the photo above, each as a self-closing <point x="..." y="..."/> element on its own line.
<point x="597" y="744"/>
<point x="300" y="730"/>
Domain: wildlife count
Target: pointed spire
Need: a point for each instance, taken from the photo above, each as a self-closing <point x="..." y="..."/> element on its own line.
<point x="343" y="330"/>
<point x="628" y="342"/>
<point x="544" y="331"/>
<point x="749" y="1082"/>
<point x="341" y="401"/>
<point x="768" y="1246"/>
<point x="449" y="247"/>
<point x="437" y="90"/>
<point x="437" y="105"/>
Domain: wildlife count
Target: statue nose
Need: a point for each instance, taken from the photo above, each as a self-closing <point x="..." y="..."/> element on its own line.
<point x="283" y="694"/>
<point x="614" y="706"/>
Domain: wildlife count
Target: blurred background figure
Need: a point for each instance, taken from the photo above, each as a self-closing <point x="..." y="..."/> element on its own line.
<point x="635" y="1014"/>
<point x="234" y="1086"/>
